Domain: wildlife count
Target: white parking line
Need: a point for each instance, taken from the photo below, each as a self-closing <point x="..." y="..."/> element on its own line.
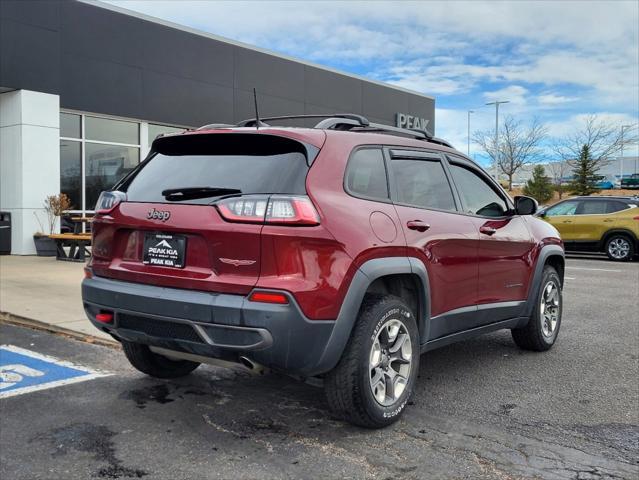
<point x="594" y="269"/>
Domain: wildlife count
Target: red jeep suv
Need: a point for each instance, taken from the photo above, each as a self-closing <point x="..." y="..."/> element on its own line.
<point x="340" y="252"/>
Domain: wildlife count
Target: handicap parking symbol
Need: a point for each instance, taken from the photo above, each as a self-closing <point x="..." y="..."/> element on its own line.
<point x="23" y="371"/>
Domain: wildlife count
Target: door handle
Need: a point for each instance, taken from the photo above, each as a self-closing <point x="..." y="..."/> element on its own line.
<point x="417" y="225"/>
<point x="608" y="220"/>
<point x="487" y="230"/>
<point x="567" y="221"/>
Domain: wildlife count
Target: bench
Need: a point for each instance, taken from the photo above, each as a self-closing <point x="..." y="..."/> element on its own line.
<point x="77" y="243"/>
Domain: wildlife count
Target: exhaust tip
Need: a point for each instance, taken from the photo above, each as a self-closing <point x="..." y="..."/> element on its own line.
<point x="247" y="363"/>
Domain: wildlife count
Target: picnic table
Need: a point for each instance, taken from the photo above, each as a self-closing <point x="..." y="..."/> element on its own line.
<point x="77" y="242"/>
<point x="79" y="221"/>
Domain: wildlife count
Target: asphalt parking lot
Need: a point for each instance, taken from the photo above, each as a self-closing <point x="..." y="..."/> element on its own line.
<point x="482" y="409"/>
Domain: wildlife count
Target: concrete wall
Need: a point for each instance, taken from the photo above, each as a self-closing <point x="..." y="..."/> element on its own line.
<point x="100" y="59"/>
<point x="29" y="161"/>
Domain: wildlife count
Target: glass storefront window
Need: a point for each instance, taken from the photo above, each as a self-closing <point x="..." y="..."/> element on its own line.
<point x="70" y="125"/>
<point x="71" y="171"/>
<point x="105" y="165"/>
<point x="96" y="152"/>
<point x="108" y="130"/>
<point x="155" y="130"/>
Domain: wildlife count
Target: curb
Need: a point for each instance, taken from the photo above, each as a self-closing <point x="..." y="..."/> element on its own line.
<point x="16" y="320"/>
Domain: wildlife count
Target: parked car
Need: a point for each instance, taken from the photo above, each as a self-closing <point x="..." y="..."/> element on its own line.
<point x="630" y="182"/>
<point x="338" y="253"/>
<point x="606" y="182"/>
<point x="597" y="224"/>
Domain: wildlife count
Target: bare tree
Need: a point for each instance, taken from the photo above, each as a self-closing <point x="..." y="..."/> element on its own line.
<point x="557" y="172"/>
<point x="603" y="139"/>
<point x="519" y="145"/>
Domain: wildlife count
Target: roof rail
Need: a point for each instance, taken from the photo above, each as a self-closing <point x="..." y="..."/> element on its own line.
<point x="251" y="122"/>
<point x="340" y="121"/>
<point x="214" y="125"/>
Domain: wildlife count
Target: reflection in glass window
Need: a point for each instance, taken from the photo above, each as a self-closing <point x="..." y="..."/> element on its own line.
<point x="71" y="172"/>
<point x="366" y="174"/>
<point x="593" y="207"/>
<point x="422" y="183"/>
<point x="70" y="125"/>
<point x="155" y="130"/>
<point x="478" y="196"/>
<point x="108" y="130"/>
<point x="105" y="166"/>
<point x="564" y="208"/>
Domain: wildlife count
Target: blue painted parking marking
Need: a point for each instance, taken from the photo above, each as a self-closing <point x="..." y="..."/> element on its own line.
<point x="23" y="371"/>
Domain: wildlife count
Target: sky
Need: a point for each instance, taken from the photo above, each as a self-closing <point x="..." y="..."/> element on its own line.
<point x="557" y="60"/>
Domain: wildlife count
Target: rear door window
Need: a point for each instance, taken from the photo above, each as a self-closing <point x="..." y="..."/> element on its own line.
<point x="592" y="207"/>
<point x="366" y="174"/>
<point x="422" y="183"/>
<point x="233" y="163"/>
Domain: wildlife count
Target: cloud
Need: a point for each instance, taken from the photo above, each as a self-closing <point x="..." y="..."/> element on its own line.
<point x="515" y="94"/>
<point x="554" y="99"/>
<point x="556" y="60"/>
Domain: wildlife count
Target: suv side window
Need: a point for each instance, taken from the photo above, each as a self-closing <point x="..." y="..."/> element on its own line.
<point x="563" y="208"/>
<point x="592" y="207"/>
<point x="366" y="174"/>
<point x="614" y="206"/>
<point x="422" y="183"/>
<point x="478" y="196"/>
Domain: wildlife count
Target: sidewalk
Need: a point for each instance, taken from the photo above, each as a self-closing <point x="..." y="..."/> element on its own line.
<point x="44" y="292"/>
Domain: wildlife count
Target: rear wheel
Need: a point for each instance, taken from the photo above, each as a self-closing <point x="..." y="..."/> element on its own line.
<point x="146" y="361"/>
<point x="620" y="248"/>
<point x="371" y="384"/>
<point x="540" y="333"/>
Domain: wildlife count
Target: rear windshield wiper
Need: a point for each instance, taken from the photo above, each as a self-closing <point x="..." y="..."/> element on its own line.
<point x="191" y="193"/>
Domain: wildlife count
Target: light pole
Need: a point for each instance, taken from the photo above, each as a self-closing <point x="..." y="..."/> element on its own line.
<point x="623" y="127"/>
<point x="469" y="112"/>
<point x="497" y="155"/>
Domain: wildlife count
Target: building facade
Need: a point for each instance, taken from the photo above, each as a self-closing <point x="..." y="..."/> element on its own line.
<point x="86" y="86"/>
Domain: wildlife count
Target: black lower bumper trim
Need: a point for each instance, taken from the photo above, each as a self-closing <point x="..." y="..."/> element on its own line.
<point x="209" y="324"/>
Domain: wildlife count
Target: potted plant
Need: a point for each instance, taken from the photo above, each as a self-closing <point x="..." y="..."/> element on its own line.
<point x="54" y="207"/>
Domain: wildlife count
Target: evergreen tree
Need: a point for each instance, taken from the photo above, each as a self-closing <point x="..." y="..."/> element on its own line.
<point x="539" y="186"/>
<point x="585" y="173"/>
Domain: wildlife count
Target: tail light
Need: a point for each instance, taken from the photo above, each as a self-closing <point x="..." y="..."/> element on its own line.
<point x="636" y="218"/>
<point x="269" y="209"/>
<point x="104" y="317"/>
<point x="107" y="201"/>
<point x="268" y="297"/>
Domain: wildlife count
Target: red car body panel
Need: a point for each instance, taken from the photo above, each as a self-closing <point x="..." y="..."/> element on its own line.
<point x="316" y="264"/>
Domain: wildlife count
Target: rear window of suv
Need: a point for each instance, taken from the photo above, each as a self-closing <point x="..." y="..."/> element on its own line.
<point x="233" y="163"/>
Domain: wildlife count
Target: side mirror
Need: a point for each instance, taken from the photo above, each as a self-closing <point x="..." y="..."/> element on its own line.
<point x="525" y="205"/>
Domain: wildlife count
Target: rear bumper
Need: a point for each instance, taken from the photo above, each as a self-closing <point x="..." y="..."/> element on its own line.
<point x="213" y="325"/>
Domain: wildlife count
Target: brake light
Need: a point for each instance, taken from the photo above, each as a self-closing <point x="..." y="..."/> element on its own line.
<point x="269" y="297"/>
<point x="269" y="209"/>
<point x="636" y="218"/>
<point x="107" y="201"/>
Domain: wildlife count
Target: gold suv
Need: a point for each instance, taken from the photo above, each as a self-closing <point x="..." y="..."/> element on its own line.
<point x="597" y="224"/>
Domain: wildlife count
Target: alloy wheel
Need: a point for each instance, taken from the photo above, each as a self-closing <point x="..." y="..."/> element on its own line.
<point x="549" y="308"/>
<point x="619" y="248"/>
<point x="390" y="362"/>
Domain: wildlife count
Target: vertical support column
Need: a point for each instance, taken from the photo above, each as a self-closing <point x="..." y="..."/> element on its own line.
<point x="29" y="161"/>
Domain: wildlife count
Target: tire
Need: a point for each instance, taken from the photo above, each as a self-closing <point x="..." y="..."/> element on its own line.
<point x="620" y="247"/>
<point x="349" y="386"/>
<point x="540" y="333"/>
<point x="159" y="366"/>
